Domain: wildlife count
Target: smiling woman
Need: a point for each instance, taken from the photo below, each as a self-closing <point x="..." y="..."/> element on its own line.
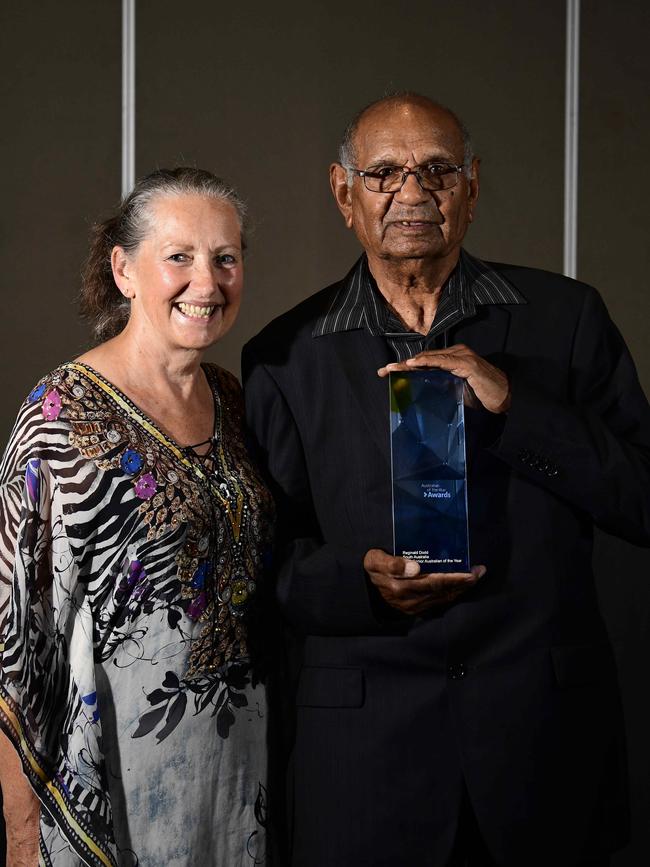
<point x="101" y="301"/>
<point x="134" y="533"/>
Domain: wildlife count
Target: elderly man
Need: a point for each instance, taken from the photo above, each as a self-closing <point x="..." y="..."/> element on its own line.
<point x="463" y="719"/>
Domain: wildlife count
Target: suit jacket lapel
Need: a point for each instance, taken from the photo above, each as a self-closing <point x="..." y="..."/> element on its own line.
<point x="360" y="355"/>
<point x="486" y="334"/>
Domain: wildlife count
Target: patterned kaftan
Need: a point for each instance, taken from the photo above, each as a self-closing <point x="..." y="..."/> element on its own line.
<point x="128" y="569"/>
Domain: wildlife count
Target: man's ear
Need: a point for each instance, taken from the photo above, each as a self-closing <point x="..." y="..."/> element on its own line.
<point x="473" y="185"/>
<point x="120" y="266"/>
<point x="342" y="192"/>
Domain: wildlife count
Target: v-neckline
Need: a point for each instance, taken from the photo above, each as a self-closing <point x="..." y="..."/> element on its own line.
<point x="148" y="424"/>
<point x="132" y="409"/>
<point x="134" y="412"/>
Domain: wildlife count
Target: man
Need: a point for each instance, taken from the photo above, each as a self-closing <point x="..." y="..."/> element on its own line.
<point x="464" y="719"/>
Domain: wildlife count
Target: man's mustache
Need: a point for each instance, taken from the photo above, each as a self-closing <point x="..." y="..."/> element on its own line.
<point x="401" y="216"/>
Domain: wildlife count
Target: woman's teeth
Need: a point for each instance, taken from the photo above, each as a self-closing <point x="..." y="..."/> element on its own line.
<point x="193" y="310"/>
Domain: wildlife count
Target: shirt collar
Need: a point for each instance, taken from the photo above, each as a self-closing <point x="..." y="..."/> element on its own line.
<point x="357" y="304"/>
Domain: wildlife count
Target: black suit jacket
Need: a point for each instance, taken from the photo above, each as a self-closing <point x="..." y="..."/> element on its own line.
<point x="512" y="689"/>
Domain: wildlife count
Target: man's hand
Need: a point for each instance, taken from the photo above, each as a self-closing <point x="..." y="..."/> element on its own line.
<point x="396" y="580"/>
<point x="485" y="384"/>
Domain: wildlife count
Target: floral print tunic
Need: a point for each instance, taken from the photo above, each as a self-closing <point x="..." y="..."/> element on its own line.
<point x="131" y="650"/>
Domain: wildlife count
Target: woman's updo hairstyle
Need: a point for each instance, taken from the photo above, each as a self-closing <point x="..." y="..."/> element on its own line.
<point x="101" y="302"/>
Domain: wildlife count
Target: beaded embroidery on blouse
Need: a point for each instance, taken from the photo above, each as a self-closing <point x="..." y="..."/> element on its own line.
<point x="225" y="507"/>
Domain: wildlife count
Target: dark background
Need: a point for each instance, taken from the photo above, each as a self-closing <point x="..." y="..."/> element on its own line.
<point x="260" y="94"/>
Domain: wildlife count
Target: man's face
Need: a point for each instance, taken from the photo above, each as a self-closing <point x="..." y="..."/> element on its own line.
<point x="412" y="223"/>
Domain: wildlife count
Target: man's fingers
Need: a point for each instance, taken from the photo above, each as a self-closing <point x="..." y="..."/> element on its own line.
<point x="452" y="358"/>
<point x="455" y="582"/>
<point x="380" y="562"/>
<point x="489" y="384"/>
<point x="442" y="582"/>
<point x="399" y="582"/>
<point x="442" y="360"/>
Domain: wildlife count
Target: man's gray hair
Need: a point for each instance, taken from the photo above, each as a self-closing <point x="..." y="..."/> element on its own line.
<point x="347" y="154"/>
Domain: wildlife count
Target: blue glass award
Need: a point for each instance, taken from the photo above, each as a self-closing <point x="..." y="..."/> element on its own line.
<point x="428" y="466"/>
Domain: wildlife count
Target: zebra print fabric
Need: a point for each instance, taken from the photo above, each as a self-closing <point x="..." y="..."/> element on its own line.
<point x="130" y="680"/>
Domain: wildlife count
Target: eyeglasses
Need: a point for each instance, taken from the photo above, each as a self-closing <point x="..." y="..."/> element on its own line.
<point x="390" y="179"/>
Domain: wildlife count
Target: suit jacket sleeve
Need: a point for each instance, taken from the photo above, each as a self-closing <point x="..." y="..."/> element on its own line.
<point x="322" y="588"/>
<point x="593" y="449"/>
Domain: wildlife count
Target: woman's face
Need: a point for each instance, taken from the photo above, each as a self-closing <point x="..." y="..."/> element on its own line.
<point x="185" y="278"/>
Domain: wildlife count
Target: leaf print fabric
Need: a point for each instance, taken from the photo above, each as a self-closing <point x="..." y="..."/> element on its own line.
<point x="129" y="679"/>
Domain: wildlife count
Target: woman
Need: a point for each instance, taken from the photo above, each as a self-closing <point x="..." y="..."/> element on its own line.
<point x="133" y="534"/>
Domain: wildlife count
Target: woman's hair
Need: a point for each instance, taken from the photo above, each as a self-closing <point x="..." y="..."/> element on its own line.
<point x="101" y="302"/>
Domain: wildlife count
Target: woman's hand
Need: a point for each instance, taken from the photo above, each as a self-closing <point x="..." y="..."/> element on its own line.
<point x="21" y="809"/>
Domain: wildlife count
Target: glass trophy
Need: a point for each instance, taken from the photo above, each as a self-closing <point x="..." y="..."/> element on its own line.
<point x="428" y="467"/>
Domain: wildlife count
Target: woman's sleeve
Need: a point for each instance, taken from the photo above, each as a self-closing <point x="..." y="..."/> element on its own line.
<point x="47" y="691"/>
<point x="37" y="594"/>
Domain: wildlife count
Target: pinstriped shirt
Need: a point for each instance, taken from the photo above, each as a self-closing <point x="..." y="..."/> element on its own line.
<point x="359" y="304"/>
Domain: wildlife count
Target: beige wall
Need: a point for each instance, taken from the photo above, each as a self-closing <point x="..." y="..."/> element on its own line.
<point x="260" y="93"/>
<point x="60" y="152"/>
